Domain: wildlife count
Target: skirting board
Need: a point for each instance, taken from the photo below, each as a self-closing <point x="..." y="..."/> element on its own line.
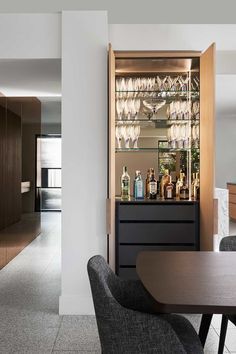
<point x="76" y="305"/>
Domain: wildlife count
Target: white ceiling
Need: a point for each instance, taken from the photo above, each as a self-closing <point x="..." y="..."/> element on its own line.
<point x="133" y="11"/>
<point x="30" y="77"/>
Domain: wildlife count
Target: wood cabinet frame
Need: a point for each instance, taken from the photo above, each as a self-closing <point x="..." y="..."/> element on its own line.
<point x="207" y="140"/>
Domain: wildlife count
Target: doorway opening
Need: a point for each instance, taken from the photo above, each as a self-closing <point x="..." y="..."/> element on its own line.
<point x="48" y="173"/>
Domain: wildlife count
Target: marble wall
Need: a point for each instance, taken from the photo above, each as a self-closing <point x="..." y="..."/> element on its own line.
<point x="223" y="216"/>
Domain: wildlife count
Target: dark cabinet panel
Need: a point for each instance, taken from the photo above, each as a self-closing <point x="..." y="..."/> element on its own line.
<point x="128" y="273"/>
<point x="157" y="212"/>
<point x="157" y="233"/>
<point x="152" y="226"/>
<point x="129" y="253"/>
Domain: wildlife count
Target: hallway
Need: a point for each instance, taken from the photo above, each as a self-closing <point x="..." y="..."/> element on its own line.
<point x="29" y="296"/>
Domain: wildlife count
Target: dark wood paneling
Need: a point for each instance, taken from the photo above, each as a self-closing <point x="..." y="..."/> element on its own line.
<point x="19" y="235"/>
<point x="31" y="126"/>
<point x="13" y="168"/>
<point x="2" y="178"/>
<point x="17" y="230"/>
<point x="3" y="127"/>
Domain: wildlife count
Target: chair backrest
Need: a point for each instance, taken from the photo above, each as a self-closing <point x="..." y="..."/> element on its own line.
<point x="103" y="282"/>
<point x="228" y="243"/>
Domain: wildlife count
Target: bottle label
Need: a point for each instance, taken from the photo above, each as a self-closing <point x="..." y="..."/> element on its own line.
<point x="169" y="193"/>
<point x="138" y="189"/>
<point x="153" y="187"/>
<point x="184" y="194"/>
<point x="125" y="187"/>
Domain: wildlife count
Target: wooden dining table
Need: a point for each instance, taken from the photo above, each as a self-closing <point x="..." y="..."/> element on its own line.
<point x="190" y="282"/>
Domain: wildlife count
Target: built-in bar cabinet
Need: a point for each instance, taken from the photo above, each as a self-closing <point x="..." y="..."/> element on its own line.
<point x="161" y="117"/>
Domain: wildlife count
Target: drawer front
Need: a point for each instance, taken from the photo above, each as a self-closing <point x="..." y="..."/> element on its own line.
<point x="232" y="198"/>
<point x="128" y="273"/>
<point x="157" y="233"/>
<point x="232" y="188"/>
<point x="232" y="211"/>
<point x="128" y="254"/>
<point x="157" y="212"/>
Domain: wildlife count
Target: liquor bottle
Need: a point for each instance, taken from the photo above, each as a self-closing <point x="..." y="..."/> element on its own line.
<point x="179" y="184"/>
<point x="147" y="191"/>
<point x="125" y="185"/>
<point x="184" y="190"/>
<point x="168" y="190"/>
<point x="196" y="186"/>
<point x="165" y="180"/>
<point x="152" y="185"/>
<point x="138" y="186"/>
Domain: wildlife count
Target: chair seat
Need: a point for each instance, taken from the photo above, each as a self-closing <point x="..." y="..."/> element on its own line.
<point x="186" y="333"/>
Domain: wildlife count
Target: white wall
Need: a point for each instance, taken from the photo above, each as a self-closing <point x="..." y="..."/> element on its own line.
<point x="171" y="37"/>
<point x="29" y="36"/>
<point x="50" y="116"/>
<point x="225" y="150"/>
<point x="84" y="153"/>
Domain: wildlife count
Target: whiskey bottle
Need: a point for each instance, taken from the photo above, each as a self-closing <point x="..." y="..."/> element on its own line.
<point x="168" y="190"/>
<point x="165" y="180"/>
<point x="125" y="185"/>
<point x="147" y="190"/>
<point x="179" y="184"/>
<point x="152" y="185"/>
<point x="184" y="190"/>
<point x="138" y="186"/>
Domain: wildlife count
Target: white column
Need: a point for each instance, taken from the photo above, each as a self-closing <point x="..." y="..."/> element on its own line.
<point x="84" y="152"/>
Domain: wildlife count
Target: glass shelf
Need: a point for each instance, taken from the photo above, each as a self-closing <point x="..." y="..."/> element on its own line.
<point x="157" y="120"/>
<point x="160" y="92"/>
<point x="155" y="150"/>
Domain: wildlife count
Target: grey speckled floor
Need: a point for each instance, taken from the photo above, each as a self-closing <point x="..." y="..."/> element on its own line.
<point x="29" y="293"/>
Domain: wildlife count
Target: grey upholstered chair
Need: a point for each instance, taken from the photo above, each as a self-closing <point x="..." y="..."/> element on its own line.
<point x="227" y="244"/>
<point x="126" y="324"/>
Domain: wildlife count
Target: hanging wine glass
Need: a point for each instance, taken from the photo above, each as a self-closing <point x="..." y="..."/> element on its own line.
<point x="147" y="113"/>
<point x="119" y="135"/>
<point x="154" y="104"/>
<point x="187" y="137"/>
<point x="119" y="109"/>
<point x="135" y="135"/>
<point x="127" y="135"/>
<point x="184" y="81"/>
<point x="137" y="104"/>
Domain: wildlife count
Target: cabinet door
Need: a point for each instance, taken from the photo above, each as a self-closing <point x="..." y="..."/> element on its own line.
<point x="111" y="161"/>
<point x="207" y="147"/>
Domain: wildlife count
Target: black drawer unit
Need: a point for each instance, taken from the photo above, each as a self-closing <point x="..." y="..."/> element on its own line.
<point x="153" y="225"/>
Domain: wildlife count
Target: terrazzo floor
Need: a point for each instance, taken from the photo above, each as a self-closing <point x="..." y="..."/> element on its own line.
<point x="29" y="294"/>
